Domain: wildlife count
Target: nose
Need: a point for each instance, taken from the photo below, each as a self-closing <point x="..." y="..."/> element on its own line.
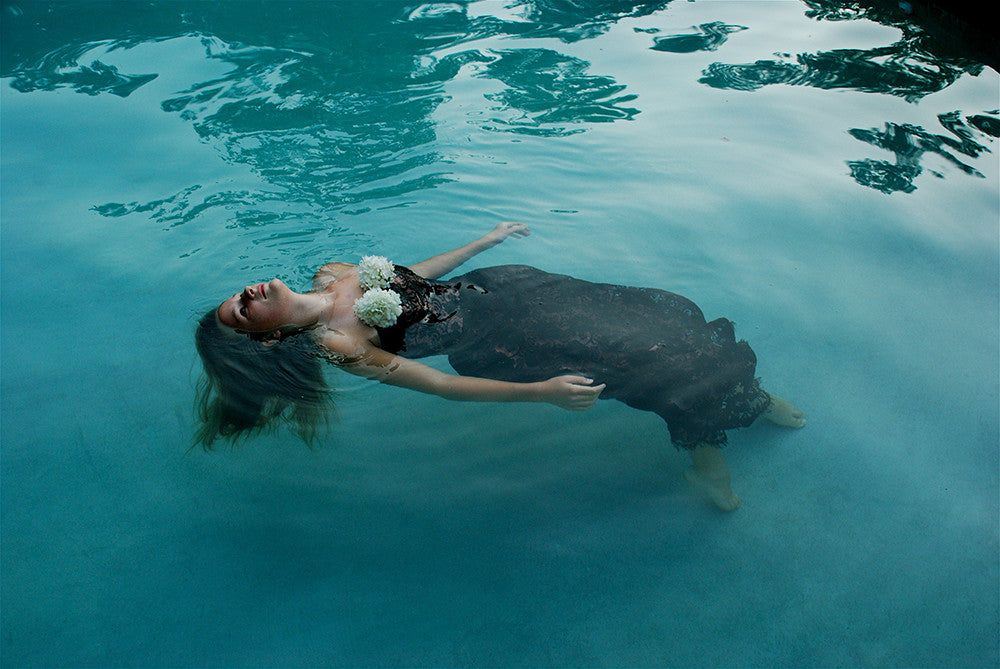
<point x="249" y="292"/>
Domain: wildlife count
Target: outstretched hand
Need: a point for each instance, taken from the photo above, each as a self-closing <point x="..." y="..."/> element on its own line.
<point x="505" y="230"/>
<point x="575" y="393"/>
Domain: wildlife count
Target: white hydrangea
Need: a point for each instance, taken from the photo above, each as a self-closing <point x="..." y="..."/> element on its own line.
<point x="375" y="272"/>
<point x="378" y="307"/>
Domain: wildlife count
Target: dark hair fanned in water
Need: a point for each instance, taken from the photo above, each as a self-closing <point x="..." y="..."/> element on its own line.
<point x="248" y="384"/>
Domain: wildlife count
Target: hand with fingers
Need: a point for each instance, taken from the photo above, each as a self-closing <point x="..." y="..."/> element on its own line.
<point x="507" y="229"/>
<point x="575" y="393"/>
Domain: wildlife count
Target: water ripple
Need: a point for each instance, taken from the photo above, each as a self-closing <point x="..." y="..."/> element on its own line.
<point x="336" y="109"/>
<point x="63" y="68"/>
<point x="886" y="70"/>
<point x="547" y="91"/>
<point x="707" y="37"/>
<point x="910" y="143"/>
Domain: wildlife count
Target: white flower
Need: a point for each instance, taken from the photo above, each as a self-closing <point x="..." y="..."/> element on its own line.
<point x="375" y="272"/>
<point x="378" y="307"/>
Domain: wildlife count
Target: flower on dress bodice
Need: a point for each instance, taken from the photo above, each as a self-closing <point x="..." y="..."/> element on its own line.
<point x="375" y="272"/>
<point x="378" y="307"/>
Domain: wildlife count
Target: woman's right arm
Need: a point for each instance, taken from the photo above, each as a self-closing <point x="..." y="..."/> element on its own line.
<point x="439" y="265"/>
<point x="363" y="359"/>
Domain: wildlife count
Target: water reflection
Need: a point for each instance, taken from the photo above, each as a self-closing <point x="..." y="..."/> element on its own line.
<point x="63" y="68"/>
<point x="331" y="103"/>
<point x="320" y="103"/>
<point x="547" y="92"/>
<point x="956" y="31"/>
<point x="321" y="132"/>
<point x="566" y="20"/>
<point x="891" y="70"/>
<point x="334" y="103"/>
<point x="707" y="37"/>
<point x="912" y="67"/>
<point x="909" y="143"/>
<point x="574" y="20"/>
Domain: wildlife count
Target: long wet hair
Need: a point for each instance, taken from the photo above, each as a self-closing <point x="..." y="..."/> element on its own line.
<point x="249" y="384"/>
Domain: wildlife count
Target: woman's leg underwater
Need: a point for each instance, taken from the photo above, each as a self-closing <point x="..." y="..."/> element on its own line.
<point x="709" y="473"/>
<point x="783" y="412"/>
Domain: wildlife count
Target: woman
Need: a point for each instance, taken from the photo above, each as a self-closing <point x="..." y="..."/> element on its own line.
<point x="513" y="334"/>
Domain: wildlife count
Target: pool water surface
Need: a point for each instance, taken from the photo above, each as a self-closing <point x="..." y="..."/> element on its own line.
<point x="824" y="176"/>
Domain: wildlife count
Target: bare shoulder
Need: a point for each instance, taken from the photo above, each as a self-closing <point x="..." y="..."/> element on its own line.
<point x="341" y="348"/>
<point x="358" y="356"/>
<point x="329" y="272"/>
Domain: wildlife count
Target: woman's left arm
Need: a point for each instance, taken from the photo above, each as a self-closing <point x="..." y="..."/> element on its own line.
<point x="364" y="359"/>
<point x="439" y="265"/>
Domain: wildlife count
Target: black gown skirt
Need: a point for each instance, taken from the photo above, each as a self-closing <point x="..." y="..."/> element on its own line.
<point x="652" y="348"/>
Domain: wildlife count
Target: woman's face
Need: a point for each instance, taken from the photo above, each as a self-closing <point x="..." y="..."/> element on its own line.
<point x="258" y="308"/>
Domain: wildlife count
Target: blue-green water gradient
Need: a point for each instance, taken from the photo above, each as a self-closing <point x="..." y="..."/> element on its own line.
<point x="832" y="186"/>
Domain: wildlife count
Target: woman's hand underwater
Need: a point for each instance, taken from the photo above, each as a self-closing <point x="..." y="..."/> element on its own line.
<point x="575" y="393"/>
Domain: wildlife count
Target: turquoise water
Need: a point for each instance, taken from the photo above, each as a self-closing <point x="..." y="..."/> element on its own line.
<point x="830" y="185"/>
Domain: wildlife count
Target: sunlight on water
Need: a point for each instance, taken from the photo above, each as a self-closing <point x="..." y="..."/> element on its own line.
<point x="825" y="176"/>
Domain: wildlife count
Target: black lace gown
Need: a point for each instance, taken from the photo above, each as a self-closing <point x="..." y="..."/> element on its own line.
<point x="651" y="347"/>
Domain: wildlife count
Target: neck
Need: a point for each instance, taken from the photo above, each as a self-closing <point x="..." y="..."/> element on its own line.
<point x="309" y="310"/>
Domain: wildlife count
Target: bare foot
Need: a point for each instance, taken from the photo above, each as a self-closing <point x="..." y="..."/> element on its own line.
<point x="718" y="491"/>
<point x="783" y="412"/>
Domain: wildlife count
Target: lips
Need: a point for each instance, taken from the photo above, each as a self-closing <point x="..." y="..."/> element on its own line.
<point x="262" y="291"/>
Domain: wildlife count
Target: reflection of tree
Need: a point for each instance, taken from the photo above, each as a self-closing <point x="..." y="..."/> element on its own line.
<point x="911" y="68"/>
<point x="547" y="90"/>
<point x="574" y="20"/>
<point x="890" y="70"/>
<point x="322" y="132"/>
<point x="952" y="30"/>
<point x="331" y="102"/>
<point x="988" y="125"/>
<point x="709" y="37"/>
<point x="61" y="68"/>
<point x="320" y="103"/>
<point x="909" y="143"/>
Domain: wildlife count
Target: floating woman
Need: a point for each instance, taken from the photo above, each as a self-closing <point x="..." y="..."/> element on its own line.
<point x="512" y="333"/>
